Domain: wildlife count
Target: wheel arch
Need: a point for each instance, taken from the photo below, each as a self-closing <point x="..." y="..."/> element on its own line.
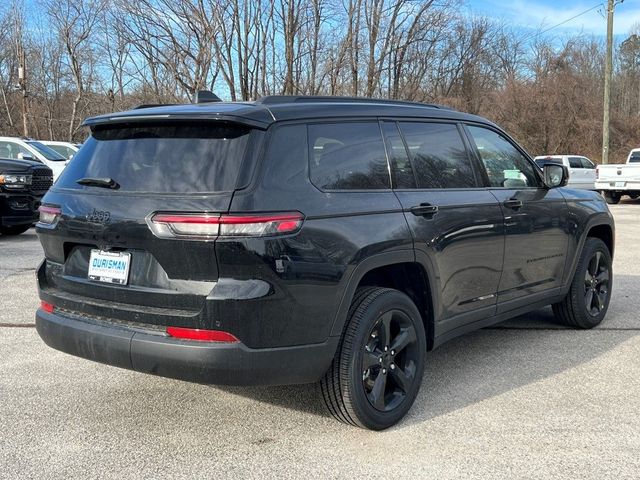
<point x="599" y="226"/>
<point x="605" y="233"/>
<point x="400" y="271"/>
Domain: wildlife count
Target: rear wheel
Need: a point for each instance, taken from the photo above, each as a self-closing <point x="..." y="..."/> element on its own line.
<point x="14" y="230"/>
<point x="377" y="371"/>
<point x="612" y="198"/>
<point x="587" y="302"/>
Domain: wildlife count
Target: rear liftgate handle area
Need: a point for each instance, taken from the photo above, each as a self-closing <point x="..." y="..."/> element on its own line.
<point x="424" y="210"/>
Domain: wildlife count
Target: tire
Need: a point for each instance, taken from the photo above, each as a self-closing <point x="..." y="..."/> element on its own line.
<point x="14" y="230"/>
<point x="612" y="198"/>
<point x="366" y="385"/>
<point x="587" y="288"/>
<point x="634" y="196"/>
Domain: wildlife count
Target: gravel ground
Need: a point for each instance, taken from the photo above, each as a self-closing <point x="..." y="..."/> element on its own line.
<point x="525" y="399"/>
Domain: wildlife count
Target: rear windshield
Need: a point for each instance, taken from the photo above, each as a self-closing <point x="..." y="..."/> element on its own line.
<point x="47" y="152"/>
<point x="635" y="157"/>
<point x="180" y="158"/>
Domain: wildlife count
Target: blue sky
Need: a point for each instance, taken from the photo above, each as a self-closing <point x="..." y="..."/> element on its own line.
<point x="543" y="14"/>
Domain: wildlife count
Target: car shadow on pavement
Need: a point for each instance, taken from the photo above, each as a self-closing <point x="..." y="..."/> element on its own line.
<point x="28" y="235"/>
<point x="485" y="363"/>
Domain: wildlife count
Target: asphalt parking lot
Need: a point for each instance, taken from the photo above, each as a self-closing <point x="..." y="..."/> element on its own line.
<point x="525" y="399"/>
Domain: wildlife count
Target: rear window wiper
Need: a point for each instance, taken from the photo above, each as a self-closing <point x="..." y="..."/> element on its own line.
<point x="99" y="182"/>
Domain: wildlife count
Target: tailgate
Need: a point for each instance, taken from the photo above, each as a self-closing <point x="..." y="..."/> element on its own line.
<point x="165" y="273"/>
<point x="612" y="173"/>
<point x="102" y="224"/>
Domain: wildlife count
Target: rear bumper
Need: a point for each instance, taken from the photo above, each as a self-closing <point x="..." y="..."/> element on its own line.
<point x="201" y="362"/>
<point x="618" y="186"/>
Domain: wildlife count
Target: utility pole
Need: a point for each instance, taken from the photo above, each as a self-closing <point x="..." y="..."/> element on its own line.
<point x="608" y="67"/>
<point x="22" y="82"/>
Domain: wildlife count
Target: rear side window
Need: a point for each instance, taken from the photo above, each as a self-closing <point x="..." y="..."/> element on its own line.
<point x="505" y="165"/>
<point x="586" y="163"/>
<point x="173" y="158"/>
<point x="438" y="155"/>
<point x="401" y="169"/>
<point x="66" y="152"/>
<point x="575" y="162"/>
<point x="347" y="156"/>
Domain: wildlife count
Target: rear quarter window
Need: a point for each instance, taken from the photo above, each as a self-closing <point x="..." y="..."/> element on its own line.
<point x="173" y="158"/>
<point x="347" y="156"/>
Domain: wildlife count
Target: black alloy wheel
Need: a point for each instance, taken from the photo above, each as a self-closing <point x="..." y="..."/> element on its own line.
<point x="377" y="370"/>
<point x="389" y="360"/>
<point x="587" y="300"/>
<point x="596" y="284"/>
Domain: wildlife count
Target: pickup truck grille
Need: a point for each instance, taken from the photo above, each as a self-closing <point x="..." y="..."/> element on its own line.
<point x="42" y="180"/>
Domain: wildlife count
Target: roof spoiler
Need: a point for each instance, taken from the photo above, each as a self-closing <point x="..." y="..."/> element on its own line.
<point x="205" y="96"/>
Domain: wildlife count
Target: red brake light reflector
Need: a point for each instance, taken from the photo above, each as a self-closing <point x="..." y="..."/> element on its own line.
<point x="201" y="335"/>
<point x="208" y="226"/>
<point x="205" y="219"/>
<point x="49" y="215"/>
<point x="47" y="307"/>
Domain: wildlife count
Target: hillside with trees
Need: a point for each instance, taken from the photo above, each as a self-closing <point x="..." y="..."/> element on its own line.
<point x="87" y="57"/>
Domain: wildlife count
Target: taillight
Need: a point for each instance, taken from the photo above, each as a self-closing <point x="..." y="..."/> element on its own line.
<point x="209" y="226"/>
<point x="597" y="173"/>
<point x="47" y="307"/>
<point x="201" y="335"/>
<point x="48" y="215"/>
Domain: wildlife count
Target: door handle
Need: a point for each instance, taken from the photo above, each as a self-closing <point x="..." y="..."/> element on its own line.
<point x="424" y="210"/>
<point x="513" y="203"/>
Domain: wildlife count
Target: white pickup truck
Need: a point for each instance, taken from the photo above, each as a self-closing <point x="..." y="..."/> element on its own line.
<point x="614" y="181"/>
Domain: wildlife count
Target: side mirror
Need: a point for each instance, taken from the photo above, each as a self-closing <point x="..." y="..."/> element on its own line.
<point x="25" y="156"/>
<point x="555" y="175"/>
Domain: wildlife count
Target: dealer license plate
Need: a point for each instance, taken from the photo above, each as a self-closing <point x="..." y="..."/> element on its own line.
<point x="620" y="184"/>
<point x="109" y="267"/>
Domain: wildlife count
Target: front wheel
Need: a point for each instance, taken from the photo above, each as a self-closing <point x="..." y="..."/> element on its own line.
<point x="377" y="371"/>
<point x="588" y="298"/>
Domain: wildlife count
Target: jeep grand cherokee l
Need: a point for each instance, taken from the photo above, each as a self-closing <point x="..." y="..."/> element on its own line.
<point x="309" y="239"/>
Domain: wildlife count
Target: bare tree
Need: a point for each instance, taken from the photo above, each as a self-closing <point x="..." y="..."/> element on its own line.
<point x="75" y="22"/>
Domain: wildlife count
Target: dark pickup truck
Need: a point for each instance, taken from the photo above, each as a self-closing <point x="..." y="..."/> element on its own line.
<point x="22" y="185"/>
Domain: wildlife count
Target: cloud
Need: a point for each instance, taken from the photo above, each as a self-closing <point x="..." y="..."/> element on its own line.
<point x="543" y="14"/>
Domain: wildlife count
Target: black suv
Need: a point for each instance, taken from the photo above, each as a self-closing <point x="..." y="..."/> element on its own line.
<point x="305" y="239"/>
<point x="22" y="186"/>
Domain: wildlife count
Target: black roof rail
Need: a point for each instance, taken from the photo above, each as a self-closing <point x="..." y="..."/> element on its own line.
<point x="280" y="99"/>
<point x="205" y="96"/>
<point x="151" y="105"/>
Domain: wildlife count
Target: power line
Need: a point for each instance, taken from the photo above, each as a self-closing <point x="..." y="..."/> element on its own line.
<point x="536" y="34"/>
<point x="572" y="18"/>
